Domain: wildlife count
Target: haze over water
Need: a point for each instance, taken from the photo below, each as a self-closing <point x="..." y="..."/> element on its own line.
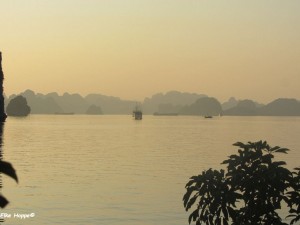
<point x="111" y="169"/>
<point x="133" y="49"/>
<point x="115" y="170"/>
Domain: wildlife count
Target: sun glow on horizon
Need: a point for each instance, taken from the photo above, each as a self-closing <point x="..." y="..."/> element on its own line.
<point x="134" y="49"/>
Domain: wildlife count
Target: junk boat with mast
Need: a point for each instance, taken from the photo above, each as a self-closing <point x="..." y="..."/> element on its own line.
<point x="137" y="112"/>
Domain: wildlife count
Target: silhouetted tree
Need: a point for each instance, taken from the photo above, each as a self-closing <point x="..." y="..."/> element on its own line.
<point x="250" y="192"/>
<point x="294" y="197"/>
<point x="5" y="168"/>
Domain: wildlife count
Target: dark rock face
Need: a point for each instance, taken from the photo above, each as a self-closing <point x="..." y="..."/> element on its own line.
<point x="243" y="108"/>
<point x="175" y="98"/>
<point x="18" y="107"/>
<point x="94" y="110"/>
<point x="206" y="106"/>
<point x="281" y="107"/>
<point x="232" y="102"/>
<point x="2" y="113"/>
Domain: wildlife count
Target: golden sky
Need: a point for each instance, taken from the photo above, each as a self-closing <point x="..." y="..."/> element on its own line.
<point x="135" y="48"/>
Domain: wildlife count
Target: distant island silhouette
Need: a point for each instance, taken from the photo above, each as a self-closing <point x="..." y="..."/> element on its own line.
<point x="18" y="107"/>
<point x="170" y="103"/>
<point x="94" y="110"/>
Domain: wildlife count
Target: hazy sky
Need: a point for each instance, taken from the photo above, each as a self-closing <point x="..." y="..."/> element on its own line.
<point x="135" y="48"/>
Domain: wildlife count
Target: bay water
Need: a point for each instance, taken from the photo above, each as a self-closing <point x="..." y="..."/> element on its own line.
<point x="111" y="169"/>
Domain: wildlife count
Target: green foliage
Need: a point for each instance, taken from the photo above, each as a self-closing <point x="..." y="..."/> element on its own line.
<point x="251" y="191"/>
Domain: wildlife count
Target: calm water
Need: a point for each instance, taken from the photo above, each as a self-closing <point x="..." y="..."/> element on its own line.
<point x="115" y="170"/>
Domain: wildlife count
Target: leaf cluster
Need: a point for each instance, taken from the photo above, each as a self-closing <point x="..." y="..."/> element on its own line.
<point x="7" y="168"/>
<point x="251" y="191"/>
<point x="294" y="196"/>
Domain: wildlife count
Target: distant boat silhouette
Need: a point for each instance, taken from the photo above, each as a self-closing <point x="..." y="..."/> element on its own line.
<point x="137" y="113"/>
<point x="165" y="114"/>
<point x="62" y="113"/>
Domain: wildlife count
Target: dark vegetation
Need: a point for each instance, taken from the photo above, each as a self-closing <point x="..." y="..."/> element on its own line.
<point x="252" y="190"/>
<point x="5" y="167"/>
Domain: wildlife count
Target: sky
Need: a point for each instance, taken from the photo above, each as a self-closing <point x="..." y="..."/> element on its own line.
<point x="133" y="49"/>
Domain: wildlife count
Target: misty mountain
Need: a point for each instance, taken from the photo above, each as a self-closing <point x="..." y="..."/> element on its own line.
<point x="281" y="107"/>
<point x="72" y="103"/>
<point x="39" y="103"/>
<point x="206" y="106"/>
<point x="52" y="103"/>
<point x="94" y="110"/>
<point x="278" y="107"/>
<point x="171" y="102"/>
<point x="243" y="108"/>
<point x="168" y="108"/>
<point x="232" y="102"/>
<point x="111" y="105"/>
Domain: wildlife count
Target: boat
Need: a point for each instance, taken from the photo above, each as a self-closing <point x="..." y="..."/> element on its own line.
<point x="137" y="113"/>
<point x="64" y="113"/>
<point x="165" y="114"/>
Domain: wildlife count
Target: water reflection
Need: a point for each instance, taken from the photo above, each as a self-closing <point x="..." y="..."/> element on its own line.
<point x="111" y="170"/>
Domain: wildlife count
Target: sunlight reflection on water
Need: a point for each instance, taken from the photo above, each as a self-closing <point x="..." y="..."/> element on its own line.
<point x="114" y="170"/>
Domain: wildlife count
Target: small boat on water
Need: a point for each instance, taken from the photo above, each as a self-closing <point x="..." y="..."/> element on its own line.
<point x="64" y="113"/>
<point x="137" y="113"/>
<point x="165" y="114"/>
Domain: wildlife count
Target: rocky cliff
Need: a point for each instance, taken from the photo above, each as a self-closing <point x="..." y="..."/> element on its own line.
<point x="2" y="112"/>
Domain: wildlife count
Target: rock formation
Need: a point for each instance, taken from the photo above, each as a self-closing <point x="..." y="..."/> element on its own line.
<point x="2" y="112"/>
<point x="206" y="106"/>
<point x="94" y="110"/>
<point x="18" y="107"/>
